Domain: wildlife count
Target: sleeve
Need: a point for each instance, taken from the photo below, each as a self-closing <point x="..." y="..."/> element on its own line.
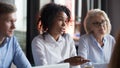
<point x="19" y="58"/>
<point x="113" y="41"/>
<point x="38" y="52"/>
<point x="71" y="42"/>
<point x="73" y="48"/>
<point x="82" y="47"/>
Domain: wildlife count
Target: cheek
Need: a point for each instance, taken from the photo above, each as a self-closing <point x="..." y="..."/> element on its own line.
<point x="105" y="27"/>
<point x="54" y="27"/>
<point x="3" y="29"/>
<point x="58" y="24"/>
<point x="6" y="26"/>
<point x="92" y="28"/>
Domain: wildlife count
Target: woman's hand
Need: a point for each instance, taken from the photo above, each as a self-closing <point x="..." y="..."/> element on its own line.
<point x="76" y="60"/>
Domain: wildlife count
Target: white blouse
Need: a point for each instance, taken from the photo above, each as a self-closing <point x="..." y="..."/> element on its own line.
<point x="49" y="51"/>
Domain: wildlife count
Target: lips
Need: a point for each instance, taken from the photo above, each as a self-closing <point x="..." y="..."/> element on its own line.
<point x="11" y="31"/>
<point x="63" y="29"/>
<point x="101" y="31"/>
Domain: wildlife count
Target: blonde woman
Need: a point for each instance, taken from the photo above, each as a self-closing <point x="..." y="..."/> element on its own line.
<point x="97" y="44"/>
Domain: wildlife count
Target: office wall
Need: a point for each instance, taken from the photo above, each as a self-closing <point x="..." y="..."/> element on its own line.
<point x="114" y="14"/>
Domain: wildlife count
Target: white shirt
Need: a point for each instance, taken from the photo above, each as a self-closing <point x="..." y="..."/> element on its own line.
<point x="90" y="49"/>
<point x="49" y="51"/>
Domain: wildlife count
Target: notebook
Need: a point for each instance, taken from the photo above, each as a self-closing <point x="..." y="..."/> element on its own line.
<point x="61" y="65"/>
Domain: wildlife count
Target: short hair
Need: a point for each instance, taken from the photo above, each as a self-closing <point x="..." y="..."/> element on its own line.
<point x="49" y="12"/>
<point x="92" y="13"/>
<point x="7" y="8"/>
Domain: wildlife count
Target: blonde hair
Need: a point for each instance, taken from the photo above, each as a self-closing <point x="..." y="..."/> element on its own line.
<point x="115" y="58"/>
<point x="93" y="13"/>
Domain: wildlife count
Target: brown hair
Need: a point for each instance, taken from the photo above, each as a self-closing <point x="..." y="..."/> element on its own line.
<point x="7" y="8"/>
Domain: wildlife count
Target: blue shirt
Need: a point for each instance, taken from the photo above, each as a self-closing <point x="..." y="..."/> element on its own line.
<point x="10" y="51"/>
<point x="90" y="49"/>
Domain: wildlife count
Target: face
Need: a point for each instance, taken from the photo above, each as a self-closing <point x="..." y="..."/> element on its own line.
<point x="7" y="24"/>
<point x="99" y="25"/>
<point x="60" y="22"/>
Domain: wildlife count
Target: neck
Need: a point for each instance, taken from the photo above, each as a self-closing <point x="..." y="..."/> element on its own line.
<point x="1" y="39"/>
<point x="55" y="36"/>
<point x="99" y="39"/>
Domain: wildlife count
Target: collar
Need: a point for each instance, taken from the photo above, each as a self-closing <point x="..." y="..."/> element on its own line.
<point x="49" y="38"/>
<point x="93" y="38"/>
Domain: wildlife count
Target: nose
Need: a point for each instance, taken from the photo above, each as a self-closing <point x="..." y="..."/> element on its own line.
<point x="101" y="24"/>
<point x="64" y="23"/>
<point x="13" y="26"/>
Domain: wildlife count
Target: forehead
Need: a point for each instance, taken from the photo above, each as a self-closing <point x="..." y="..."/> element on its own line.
<point x="97" y="18"/>
<point x="61" y="14"/>
<point x="8" y="16"/>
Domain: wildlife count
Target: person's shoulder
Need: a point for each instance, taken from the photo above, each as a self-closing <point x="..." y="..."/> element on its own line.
<point x="38" y="37"/>
<point x="109" y="36"/>
<point x="14" y="38"/>
<point x="85" y="36"/>
<point x="67" y="36"/>
<point x="13" y="41"/>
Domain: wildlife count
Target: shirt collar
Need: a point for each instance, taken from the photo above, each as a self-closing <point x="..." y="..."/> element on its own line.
<point x="93" y="38"/>
<point x="5" y="41"/>
<point x="49" y="38"/>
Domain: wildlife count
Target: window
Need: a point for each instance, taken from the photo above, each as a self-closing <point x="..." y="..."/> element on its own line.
<point x="20" y="31"/>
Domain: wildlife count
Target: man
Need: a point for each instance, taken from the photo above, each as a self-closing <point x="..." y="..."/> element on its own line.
<point x="10" y="51"/>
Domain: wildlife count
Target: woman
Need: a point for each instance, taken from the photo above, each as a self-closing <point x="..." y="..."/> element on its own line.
<point x="54" y="45"/>
<point x="97" y="45"/>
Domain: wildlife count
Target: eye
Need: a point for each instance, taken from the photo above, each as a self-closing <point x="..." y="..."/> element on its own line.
<point x="103" y="21"/>
<point x="96" y="23"/>
<point x="66" y="20"/>
<point x="60" y="19"/>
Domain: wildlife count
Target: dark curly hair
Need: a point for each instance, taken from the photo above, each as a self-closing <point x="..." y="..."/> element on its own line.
<point x="48" y="14"/>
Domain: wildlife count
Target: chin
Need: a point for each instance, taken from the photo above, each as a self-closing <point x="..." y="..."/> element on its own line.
<point x="102" y="32"/>
<point x="10" y="35"/>
<point x="61" y="32"/>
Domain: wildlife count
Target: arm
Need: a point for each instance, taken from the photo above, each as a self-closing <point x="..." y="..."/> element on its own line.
<point x="72" y="48"/>
<point x="19" y="58"/>
<point x="82" y="48"/>
<point x="74" y="59"/>
<point x="38" y="52"/>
